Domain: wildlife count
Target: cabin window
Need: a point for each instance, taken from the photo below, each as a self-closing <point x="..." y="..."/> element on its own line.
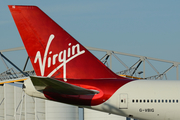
<point x="166" y="101"/>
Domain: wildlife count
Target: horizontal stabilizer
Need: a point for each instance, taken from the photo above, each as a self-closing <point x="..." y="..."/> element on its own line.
<point x="43" y="84"/>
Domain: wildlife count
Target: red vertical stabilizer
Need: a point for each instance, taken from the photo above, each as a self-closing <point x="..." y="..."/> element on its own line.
<point x="52" y="51"/>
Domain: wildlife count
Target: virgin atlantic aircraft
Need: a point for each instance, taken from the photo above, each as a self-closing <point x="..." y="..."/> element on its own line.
<point x="67" y="72"/>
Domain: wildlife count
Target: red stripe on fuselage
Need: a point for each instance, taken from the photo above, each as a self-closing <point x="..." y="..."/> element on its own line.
<point x="106" y="87"/>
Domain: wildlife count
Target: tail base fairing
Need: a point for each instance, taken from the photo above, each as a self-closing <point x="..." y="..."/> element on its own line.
<point x="77" y="91"/>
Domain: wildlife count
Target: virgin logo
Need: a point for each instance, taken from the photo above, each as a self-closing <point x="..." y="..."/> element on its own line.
<point x="63" y="57"/>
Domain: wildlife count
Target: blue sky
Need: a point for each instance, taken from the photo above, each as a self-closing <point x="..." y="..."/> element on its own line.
<point x="142" y="27"/>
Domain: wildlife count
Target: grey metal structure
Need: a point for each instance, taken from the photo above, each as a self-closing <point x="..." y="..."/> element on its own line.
<point x="16" y="105"/>
<point x="132" y="70"/>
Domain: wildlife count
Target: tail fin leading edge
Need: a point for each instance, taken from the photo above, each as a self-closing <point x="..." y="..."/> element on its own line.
<point x="52" y="51"/>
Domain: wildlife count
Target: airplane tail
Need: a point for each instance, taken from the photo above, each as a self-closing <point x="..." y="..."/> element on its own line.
<point x="52" y="51"/>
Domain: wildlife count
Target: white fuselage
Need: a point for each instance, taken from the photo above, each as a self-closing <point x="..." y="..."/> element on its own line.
<point x="145" y="100"/>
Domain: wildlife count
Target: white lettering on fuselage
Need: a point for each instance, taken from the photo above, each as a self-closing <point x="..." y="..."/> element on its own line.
<point x="63" y="57"/>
